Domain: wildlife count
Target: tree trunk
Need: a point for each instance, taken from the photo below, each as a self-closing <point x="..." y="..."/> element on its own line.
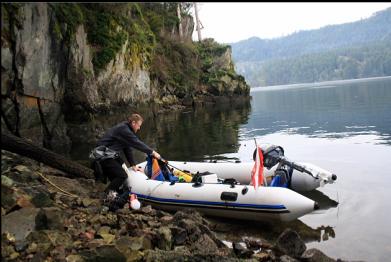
<point x="25" y="148"/>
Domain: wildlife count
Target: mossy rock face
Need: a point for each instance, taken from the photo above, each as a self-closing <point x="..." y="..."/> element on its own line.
<point x="218" y="71"/>
<point x="109" y="27"/>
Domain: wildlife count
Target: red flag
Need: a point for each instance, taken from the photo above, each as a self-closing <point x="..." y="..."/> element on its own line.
<point x="257" y="172"/>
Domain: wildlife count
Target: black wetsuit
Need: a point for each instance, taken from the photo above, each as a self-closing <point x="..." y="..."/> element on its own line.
<point x="120" y="138"/>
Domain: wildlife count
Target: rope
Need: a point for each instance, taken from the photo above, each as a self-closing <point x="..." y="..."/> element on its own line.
<point x="62" y="190"/>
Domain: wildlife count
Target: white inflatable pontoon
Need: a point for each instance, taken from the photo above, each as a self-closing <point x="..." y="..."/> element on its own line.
<point x="224" y="200"/>
<point x="241" y="172"/>
<point x="278" y="171"/>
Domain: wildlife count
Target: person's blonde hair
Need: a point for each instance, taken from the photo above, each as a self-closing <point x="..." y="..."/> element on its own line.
<point x="135" y="117"/>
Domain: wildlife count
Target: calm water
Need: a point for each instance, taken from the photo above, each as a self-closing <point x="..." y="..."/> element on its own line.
<point x="342" y="126"/>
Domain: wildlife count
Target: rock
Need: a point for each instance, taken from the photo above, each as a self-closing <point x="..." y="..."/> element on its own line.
<point x="21" y="169"/>
<point x="315" y="255"/>
<point x="104" y="230"/>
<point x="22" y="174"/>
<point x="290" y="243"/>
<point x="108" y="238"/>
<point x="189" y="213"/>
<point x="14" y="255"/>
<point x="221" y="227"/>
<point x="42" y="200"/>
<point x="262" y="257"/>
<point x="147" y="210"/>
<point x="155" y="224"/>
<point x="87" y="236"/>
<point x="72" y="186"/>
<point x="134" y="225"/>
<point x="50" y="218"/>
<point x="165" y="220"/>
<point x="241" y="250"/>
<point x="253" y="244"/>
<point x="9" y="198"/>
<point x="109" y="219"/>
<point x="133" y="243"/>
<point x="74" y="258"/>
<point x="7" y="250"/>
<point x="182" y="249"/>
<point x="161" y="255"/>
<point x="86" y="202"/>
<point x="32" y="248"/>
<point x="46" y="239"/>
<point x="58" y="253"/>
<point x="93" y="244"/>
<point x="205" y="245"/>
<point x="24" y="201"/>
<point x="286" y="258"/>
<point x="179" y="235"/>
<point x="161" y="213"/>
<point x="204" y="229"/>
<point x="109" y="253"/>
<point x="192" y="229"/>
<point x="6" y="181"/>
<point x="21" y="245"/>
<point x="164" y="238"/>
<point x="20" y="223"/>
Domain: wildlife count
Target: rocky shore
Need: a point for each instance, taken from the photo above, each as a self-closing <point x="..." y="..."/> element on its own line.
<point x="46" y="216"/>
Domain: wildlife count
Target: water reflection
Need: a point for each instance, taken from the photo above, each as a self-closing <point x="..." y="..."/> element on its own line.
<point x="324" y="201"/>
<point x="235" y="230"/>
<point x="335" y="111"/>
<point x="189" y="135"/>
<point x="202" y="132"/>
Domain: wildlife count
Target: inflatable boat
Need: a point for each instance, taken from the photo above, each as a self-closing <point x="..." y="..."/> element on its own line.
<point x="213" y="197"/>
<point x="291" y="178"/>
<point x="278" y="170"/>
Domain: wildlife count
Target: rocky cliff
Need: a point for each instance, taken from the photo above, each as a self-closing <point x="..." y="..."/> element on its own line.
<point x="64" y="63"/>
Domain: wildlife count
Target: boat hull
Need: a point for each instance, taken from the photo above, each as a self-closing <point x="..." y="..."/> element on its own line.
<point x="222" y="200"/>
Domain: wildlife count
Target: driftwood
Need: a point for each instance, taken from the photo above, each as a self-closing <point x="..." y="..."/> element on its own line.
<point x="26" y="148"/>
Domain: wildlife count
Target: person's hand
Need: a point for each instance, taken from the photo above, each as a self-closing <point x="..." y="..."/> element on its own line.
<point x="137" y="168"/>
<point x="156" y="155"/>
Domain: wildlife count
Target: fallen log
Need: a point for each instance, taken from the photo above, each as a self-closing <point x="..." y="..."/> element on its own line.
<point x="26" y="148"/>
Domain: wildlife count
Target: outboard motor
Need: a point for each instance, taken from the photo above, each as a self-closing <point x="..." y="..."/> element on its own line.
<point x="272" y="155"/>
<point x="282" y="177"/>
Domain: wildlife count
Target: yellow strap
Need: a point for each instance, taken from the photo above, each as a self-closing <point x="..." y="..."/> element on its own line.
<point x="62" y="190"/>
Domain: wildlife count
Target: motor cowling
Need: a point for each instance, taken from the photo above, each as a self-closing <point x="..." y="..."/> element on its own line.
<point x="271" y="155"/>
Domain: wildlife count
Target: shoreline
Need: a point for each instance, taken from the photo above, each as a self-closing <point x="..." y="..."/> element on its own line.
<point x="79" y="228"/>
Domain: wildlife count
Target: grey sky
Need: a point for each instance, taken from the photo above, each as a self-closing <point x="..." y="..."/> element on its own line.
<point x="232" y="22"/>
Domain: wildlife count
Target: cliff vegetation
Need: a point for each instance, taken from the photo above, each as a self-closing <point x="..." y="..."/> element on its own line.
<point x="64" y="63"/>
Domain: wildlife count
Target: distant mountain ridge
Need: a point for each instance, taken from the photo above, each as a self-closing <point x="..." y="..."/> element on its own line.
<point x="375" y="28"/>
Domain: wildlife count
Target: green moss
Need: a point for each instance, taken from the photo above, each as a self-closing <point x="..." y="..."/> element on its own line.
<point x="69" y="16"/>
<point x="160" y="16"/>
<point x="145" y="29"/>
<point x="175" y="66"/>
<point x="109" y="27"/>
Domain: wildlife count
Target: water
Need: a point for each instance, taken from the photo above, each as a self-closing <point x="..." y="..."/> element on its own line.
<point x="342" y="126"/>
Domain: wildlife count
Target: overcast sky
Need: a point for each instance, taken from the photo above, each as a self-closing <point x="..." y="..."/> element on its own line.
<point x="232" y="22"/>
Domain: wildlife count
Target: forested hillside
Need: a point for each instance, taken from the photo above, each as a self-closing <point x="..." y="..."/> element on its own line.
<point x="352" y="50"/>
